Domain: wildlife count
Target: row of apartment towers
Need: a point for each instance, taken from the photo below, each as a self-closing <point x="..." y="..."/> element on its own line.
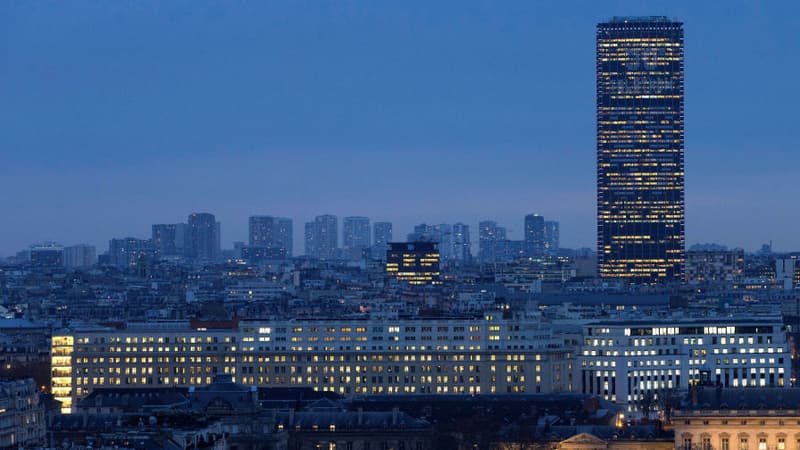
<point x="272" y="237"/>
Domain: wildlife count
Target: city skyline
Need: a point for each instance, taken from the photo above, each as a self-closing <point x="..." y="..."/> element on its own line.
<point x="125" y="170"/>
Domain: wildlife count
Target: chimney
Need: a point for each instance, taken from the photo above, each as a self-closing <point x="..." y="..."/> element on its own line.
<point x="360" y="416"/>
<point x="291" y="417"/>
<point x="254" y="395"/>
<point x="395" y="413"/>
<point x="695" y="396"/>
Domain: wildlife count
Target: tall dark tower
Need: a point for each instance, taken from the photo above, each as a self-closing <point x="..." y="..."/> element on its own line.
<point x="640" y="209"/>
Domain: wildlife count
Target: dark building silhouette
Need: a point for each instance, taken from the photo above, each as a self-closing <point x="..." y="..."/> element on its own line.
<point x="205" y="236"/>
<point x="640" y="187"/>
<point x="534" y="236"/>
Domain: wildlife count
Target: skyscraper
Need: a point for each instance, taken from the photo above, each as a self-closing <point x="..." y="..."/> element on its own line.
<point x="640" y="142"/>
<point x="534" y="236"/>
<point x="205" y="236"/>
<point x="461" y="243"/>
<point x="273" y="233"/>
<point x="552" y="238"/>
<point x="490" y="241"/>
<point x="381" y="236"/>
<point x="164" y="239"/>
<point x="355" y="236"/>
<point x="322" y="237"/>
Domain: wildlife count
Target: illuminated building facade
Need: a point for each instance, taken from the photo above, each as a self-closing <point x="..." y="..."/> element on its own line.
<point x="640" y="142"/>
<point x="630" y="362"/>
<point x="444" y="355"/>
<point x="416" y="263"/>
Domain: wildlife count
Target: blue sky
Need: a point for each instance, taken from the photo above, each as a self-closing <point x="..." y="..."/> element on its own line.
<point x="117" y="115"/>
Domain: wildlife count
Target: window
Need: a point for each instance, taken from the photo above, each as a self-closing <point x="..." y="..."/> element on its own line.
<point x="726" y="444"/>
<point x="743" y="444"/>
<point x="781" y="443"/>
<point x="762" y="443"/>
<point x="706" y="443"/>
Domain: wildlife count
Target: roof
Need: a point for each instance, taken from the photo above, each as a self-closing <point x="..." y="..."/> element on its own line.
<point x="741" y="401"/>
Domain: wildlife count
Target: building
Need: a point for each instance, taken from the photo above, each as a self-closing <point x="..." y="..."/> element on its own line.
<point x="165" y="239"/>
<point x="462" y="253"/>
<point x="714" y="265"/>
<point x="534" y="236"/>
<point x="382" y="235"/>
<point x="416" y="263"/>
<point x="636" y="363"/>
<point x="327" y="424"/>
<point x="204" y="231"/>
<point x="738" y="419"/>
<point x="272" y="233"/>
<point x="48" y="254"/>
<point x="463" y="355"/>
<point x="22" y="421"/>
<point x="322" y="237"/>
<point x="552" y="238"/>
<point x="356" y="237"/>
<point x="490" y="239"/>
<point x="80" y="256"/>
<point x="128" y="252"/>
<point x="640" y="136"/>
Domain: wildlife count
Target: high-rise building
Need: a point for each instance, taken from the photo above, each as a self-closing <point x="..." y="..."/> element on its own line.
<point x="355" y="236"/>
<point x="322" y="237"/>
<point x="48" y="254"/>
<point x="461" y="243"/>
<point x="164" y="239"/>
<point x="552" y="239"/>
<point x="80" y="256"/>
<point x="441" y="234"/>
<point x="640" y="143"/>
<point x="205" y="236"/>
<point x="284" y="235"/>
<point x="534" y="236"/>
<point x="128" y="252"/>
<point x="382" y="235"/>
<point x="490" y="237"/>
<point x="416" y="263"/>
<point x="272" y="233"/>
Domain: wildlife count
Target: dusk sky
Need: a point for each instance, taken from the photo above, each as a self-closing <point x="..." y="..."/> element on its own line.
<point x="118" y="115"/>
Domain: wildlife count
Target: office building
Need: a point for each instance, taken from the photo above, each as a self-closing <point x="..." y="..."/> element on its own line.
<point x="322" y="237"/>
<point x="490" y="242"/>
<point x="640" y="143"/>
<point x="534" y="236"/>
<point x="356" y="237"/>
<point x="490" y="354"/>
<point x="704" y="266"/>
<point x="416" y="263"/>
<point x="552" y="239"/>
<point x="271" y="233"/>
<point x="382" y="235"/>
<point x="80" y="256"/>
<point x="631" y="362"/>
<point x="205" y="236"/>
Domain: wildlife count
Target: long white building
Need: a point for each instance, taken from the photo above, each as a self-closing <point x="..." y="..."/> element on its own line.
<point x="633" y="362"/>
<point x="455" y="355"/>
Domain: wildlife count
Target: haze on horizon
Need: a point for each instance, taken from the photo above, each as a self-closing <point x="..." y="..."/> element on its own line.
<point x="117" y="116"/>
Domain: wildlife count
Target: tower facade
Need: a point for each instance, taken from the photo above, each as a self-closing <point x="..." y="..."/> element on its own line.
<point x="640" y="144"/>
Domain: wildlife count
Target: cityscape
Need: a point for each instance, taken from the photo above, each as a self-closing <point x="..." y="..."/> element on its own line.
<point x="358" y="332"/>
